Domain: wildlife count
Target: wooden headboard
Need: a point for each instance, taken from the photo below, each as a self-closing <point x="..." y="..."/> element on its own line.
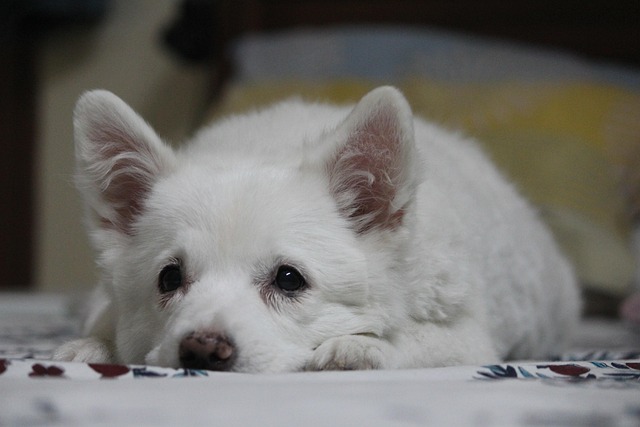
<point x="599" y="29"/>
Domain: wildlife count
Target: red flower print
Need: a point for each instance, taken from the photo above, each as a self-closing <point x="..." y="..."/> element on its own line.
<point x="570" y="370"/>
<point x="108" y="370"/>
<point x="39" y="370"/>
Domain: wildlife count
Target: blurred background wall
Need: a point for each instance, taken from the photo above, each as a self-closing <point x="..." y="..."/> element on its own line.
<point x="121" y="52"/>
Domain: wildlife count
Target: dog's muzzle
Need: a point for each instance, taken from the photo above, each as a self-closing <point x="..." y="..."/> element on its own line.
<point x="209" y="350"/>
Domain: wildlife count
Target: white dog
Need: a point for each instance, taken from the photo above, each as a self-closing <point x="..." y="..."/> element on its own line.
<point x="311" y="237"/>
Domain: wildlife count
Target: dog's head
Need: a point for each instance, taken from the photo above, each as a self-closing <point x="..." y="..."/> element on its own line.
<point x="267" y="235"/>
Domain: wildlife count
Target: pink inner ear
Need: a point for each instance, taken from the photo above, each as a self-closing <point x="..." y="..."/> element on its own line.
<point x="367" y="170"/>
<point x="126" y="177"/>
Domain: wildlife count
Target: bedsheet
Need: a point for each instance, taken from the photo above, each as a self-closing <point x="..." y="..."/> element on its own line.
<point x="597" y="383"/>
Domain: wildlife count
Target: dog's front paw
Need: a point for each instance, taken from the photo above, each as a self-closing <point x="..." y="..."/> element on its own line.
<point x="90" y="350"/>
<point x="349" y="352"/>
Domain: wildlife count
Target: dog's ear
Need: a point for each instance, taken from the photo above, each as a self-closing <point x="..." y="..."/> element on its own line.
<point x="118" y="159"/>
<point x="372" y="173"/>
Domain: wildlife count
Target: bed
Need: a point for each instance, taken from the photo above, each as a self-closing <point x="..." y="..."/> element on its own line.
<point x="561" y="126"/>
<point x="596" y="383"/>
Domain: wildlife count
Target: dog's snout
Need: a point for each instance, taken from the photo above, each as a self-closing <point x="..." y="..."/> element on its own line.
<point x="208" y="350"/>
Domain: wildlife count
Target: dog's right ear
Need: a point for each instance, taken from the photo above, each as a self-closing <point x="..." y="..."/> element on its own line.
<point x="373" y="171"/>
<point x="118" y="159"/>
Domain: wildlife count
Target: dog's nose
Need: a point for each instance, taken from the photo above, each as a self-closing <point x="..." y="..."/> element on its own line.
<point x="208" y="350"/>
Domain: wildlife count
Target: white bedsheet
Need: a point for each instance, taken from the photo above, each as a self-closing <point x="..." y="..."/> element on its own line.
<point x="37" y="391"/>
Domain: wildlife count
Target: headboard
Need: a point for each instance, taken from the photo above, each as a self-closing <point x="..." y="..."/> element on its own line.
<point x="599" y="29"/>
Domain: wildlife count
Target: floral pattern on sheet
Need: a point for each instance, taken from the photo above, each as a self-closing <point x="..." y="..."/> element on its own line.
<point x="31" y="368"/>
<point x="623" y="372"/>
<point x="576" y="372"/>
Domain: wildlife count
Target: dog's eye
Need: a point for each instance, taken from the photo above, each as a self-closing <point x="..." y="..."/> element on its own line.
<point x="170" y="278"/>
<point x="289" y="279"/>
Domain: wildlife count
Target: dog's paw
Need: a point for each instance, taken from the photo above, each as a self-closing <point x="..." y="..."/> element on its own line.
<point x="349" y="352"/>
<point x="84" y="350"/>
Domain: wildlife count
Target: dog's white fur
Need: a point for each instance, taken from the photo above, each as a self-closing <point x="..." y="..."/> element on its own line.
<point x="415" y="250"/>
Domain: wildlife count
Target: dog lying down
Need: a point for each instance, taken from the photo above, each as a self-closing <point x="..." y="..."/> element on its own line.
<point x="311" y="237"/>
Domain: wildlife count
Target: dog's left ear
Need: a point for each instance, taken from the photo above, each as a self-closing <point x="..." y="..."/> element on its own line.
<point x="372" y="174"/>
<point x="118" y="159"/>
